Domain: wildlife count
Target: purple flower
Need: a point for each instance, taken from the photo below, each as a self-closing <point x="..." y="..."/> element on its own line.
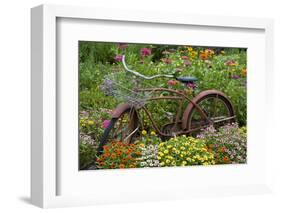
<point x="191" y="85"/>
<point x="145" y="51"/>
<point x="105" y="123"/>
<point x="235" y="77"/>
<point x="118" y="58"/>
<point x="122" y="46"/>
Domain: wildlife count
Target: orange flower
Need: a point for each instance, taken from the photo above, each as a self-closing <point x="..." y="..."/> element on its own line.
<point x="113" y="155"/>
<point x="225" y="159"/>
<point x="106" y="154"/>
<point x="122" y="166"/>
<point x="106" y="148"/>
<point x="138" y="153"/>
<point x="203" y="55"/>
<point x="112" y="166"/>
<point x="244" y="72"/>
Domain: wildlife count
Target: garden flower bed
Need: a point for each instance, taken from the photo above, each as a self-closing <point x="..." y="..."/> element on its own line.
<point x="223" y="69"/>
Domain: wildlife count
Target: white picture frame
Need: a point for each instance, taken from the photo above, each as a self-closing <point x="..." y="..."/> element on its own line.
<point x="45" y="178"/>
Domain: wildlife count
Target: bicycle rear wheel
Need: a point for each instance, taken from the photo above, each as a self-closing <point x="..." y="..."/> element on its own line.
<point x="123" y="128"/>
<point x="215" y="105"/>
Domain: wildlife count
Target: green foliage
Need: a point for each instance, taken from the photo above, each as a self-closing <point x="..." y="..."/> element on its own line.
<point x="87" y="155"/>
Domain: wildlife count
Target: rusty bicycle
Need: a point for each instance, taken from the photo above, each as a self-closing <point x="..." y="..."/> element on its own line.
<point x="208" y="107"/>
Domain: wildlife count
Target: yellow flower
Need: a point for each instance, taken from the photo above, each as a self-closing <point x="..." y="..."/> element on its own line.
<point x="91" y="122"/>
<point x="142" y="145"/>
<point x="143" y="132"/>
<point x="189" y="49"/>
<point x="166" y="151"/>
<point x="152" y="133"/>
<point x="159" y="158"/>
<point x="162" y="164"/>
<point x="168" y="161"/>
<point x="161" y="154"/>
<point x="161" y="144"/>
<point x="222" y="52"/>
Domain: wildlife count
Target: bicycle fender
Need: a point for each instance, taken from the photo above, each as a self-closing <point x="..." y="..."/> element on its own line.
<point x="120" y="109"/>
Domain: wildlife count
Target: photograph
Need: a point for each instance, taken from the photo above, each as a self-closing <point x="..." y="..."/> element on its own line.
<point x="151" y="105"/>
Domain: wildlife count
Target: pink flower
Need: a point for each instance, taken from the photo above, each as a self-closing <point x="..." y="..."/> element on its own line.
<point x="187" y="63"/>
<point x="105" y="124"/>
<point x="184" y="57"/>
<point x="118" y="58"/>
<point x="145" y="51"/>
<point x="172" y="82"/>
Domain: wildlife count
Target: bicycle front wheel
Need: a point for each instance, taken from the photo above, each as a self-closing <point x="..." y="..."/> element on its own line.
<point x="121" y="129"/>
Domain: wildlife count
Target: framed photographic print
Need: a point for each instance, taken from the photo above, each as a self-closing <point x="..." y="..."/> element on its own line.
<point x="149" y="106"/>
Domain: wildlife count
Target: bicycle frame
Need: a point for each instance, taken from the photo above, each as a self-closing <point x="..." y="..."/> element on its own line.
<point x="181" y="97"/>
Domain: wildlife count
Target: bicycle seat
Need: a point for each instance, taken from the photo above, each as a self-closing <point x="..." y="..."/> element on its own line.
<point x="187" y="79"/>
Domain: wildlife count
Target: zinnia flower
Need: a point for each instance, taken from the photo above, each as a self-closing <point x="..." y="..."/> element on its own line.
<point x="118" y="58"/>
<point x="235" y="77"/>
<point x="145" y="51"/>
<point x="172" y="82"/>
<point x="144" y="132"/>
<point x="184" y="57"/>
<point x="203" y="55"/>
<point x="187" y="63"/>
<point x="105" y="123"/>
<point x="191" y="85"/>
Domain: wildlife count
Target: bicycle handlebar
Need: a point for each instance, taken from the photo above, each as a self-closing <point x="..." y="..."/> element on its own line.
<point x="141" y="75"/>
